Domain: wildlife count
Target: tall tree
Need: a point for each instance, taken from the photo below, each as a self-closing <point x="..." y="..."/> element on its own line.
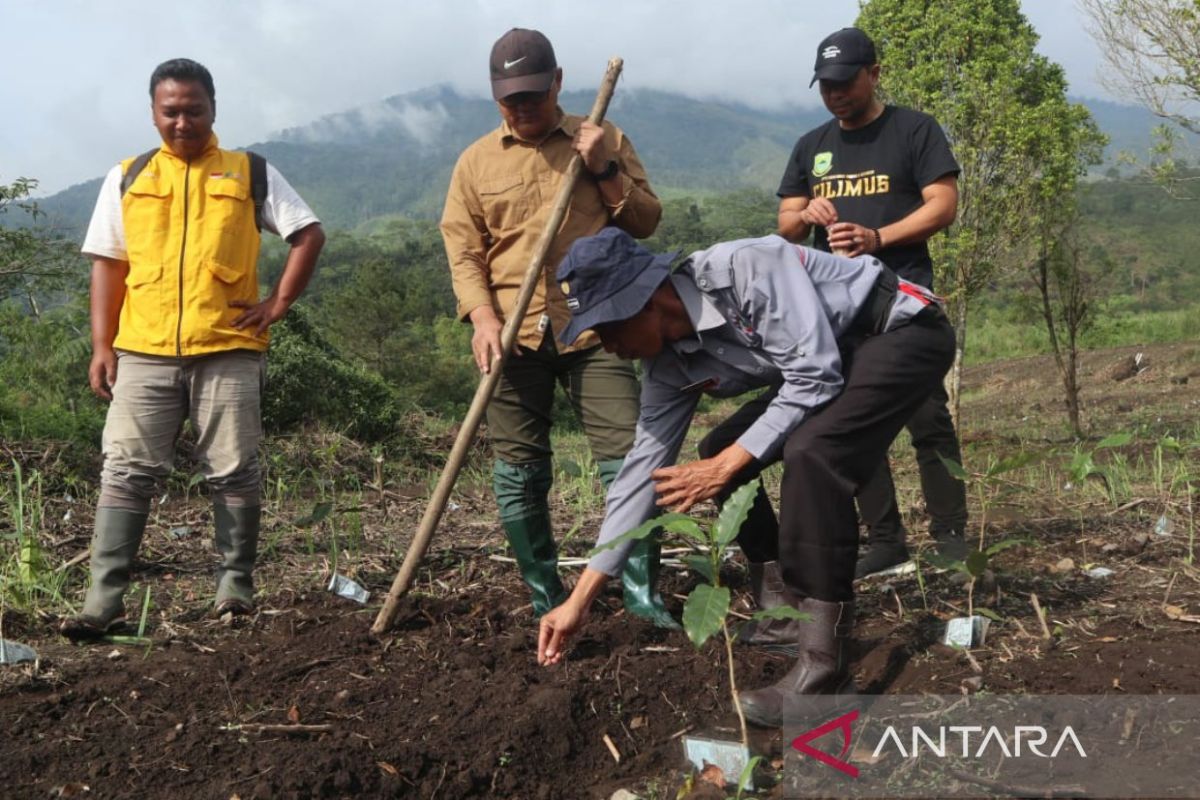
<point x="1067" y="277"/>
<point x="1152" y="48"/>
<point x="972" y="65"/>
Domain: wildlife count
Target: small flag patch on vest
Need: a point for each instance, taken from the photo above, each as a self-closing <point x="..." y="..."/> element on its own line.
<point x="237" y="175"/>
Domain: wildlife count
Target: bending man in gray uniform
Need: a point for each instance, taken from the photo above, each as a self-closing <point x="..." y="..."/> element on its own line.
<point x="852" y="351"/>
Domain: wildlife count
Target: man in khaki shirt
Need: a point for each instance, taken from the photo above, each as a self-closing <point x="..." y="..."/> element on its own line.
<point x="500" y="197"/>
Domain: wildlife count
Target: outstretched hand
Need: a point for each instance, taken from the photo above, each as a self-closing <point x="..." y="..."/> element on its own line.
<point x="683" y="486"/>
<point x="557" y="626"/>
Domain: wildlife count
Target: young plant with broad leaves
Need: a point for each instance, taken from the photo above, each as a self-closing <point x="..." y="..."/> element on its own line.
<point x="706" y="610"/>
<point x="979" y="560"/>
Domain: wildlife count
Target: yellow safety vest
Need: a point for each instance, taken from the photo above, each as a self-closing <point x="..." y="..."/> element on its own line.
<point x="193" y="248"/>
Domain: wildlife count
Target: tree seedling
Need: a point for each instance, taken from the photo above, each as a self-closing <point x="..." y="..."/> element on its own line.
<point x="706" y="609"/>
<point x="978" y="561"/>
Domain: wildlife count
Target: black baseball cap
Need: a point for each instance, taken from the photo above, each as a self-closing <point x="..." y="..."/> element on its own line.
<point x="842" y="54"/>
<point x="522" y="61"/>
<point x="608" y="277"/>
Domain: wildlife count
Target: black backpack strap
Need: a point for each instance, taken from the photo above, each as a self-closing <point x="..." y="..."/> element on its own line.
<point x="258" y="186"/>
<point x="135" y="169"/>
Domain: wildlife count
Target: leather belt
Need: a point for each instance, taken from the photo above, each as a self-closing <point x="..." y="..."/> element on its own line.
<point x="873" y="316"/>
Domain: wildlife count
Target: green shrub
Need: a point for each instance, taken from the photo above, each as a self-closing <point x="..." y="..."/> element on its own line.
<point x="309" y="383"/>
<point x="44" y="392"/>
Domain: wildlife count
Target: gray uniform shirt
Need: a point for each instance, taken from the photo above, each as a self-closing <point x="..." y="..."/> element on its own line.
<point x="764" y="310"/>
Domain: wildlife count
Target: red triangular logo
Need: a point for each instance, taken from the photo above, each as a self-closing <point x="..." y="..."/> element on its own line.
<point x="842" y="723"/>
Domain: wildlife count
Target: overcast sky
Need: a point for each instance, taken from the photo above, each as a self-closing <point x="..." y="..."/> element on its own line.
<point x="74" y="81"/>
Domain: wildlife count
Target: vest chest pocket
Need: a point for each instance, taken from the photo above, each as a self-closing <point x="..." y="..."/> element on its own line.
<point x="146" y="217"/>
<point x="226" y="200"/>
<point x="505" y="202"/>
<point x="227" y="221"/>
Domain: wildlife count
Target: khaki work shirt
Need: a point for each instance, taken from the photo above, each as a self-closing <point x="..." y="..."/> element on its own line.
<point x="501" y="195"/>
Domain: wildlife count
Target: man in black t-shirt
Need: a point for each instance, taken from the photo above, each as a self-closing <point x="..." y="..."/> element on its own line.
<point x="881" y="180"/>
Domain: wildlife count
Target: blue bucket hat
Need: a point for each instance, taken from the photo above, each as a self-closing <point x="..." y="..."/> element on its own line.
<point x="606" y="278"/>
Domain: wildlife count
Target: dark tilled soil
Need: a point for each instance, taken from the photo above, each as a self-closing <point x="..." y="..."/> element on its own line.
<point x="451" y="703"/>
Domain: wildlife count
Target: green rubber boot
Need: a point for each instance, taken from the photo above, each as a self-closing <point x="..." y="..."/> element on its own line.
<point x="640" y="577"/>
<point x="236" y="537"/>
<point x="115" y="542"/>
<point x="521" y="491"/>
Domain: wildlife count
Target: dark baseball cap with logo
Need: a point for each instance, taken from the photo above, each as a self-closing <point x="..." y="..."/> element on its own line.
<point x="522" y="61"/>
<point x="842" y="54"/>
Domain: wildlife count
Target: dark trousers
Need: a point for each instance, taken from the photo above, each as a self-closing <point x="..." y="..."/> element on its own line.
<point x="602" y="388"/>
<point x="833" y="453"/>
<point x="932" y="432"/>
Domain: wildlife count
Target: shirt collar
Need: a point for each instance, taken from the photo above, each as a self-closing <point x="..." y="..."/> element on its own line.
<point x="208" y="148"/>
<point x="705" y="316"/>
<point x="567" y="124"/>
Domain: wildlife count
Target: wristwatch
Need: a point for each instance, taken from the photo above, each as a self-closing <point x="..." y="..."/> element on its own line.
<point x="610" y="171"/>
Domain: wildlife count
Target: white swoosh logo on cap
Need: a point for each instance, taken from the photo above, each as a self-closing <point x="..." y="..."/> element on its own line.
<point x="511" y="64"/>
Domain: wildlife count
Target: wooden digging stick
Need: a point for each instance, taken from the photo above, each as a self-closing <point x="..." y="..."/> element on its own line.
<point x="466" y="434"/>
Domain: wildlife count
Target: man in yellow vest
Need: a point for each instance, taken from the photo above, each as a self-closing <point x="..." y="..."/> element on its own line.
<point x="178" y="332"/>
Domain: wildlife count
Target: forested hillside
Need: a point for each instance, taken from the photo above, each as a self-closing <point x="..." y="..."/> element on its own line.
<point x="376" y="326"/>
<point x="395" y="157"/>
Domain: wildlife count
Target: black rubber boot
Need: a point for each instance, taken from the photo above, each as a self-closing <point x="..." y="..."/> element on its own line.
<point x="521" y="491"/>
<point x="880" y="556"/>
<point x="237" y="529"/>
<point x="775" y="635"/>
<point x="950" y="544"/>
<point x="821" y="667"/>
<point x="639" y="578"/>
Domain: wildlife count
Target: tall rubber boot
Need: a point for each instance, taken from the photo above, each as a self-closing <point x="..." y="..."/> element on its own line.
<point x="236" y="537"/>
<point x="822" y="666"/>
<point x="118" y="533"/>
<point x="639" y="578"/>
<point x="521" y="491"/>
<point x="774" y="635"/>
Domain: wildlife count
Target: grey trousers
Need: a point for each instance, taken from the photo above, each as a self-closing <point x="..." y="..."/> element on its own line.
<point x="220" y="393"/>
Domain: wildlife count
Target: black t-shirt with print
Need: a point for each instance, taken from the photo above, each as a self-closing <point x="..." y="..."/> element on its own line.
<point x="873" y="176"/>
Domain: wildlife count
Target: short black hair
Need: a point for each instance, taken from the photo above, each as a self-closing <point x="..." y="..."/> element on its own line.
<point x="183" y="69"/>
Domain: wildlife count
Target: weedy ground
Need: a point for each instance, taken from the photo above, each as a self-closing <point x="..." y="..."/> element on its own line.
<point x="451" y="703"/>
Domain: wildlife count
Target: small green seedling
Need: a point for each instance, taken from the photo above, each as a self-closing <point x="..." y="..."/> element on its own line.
<point x="979" y="560"/>
<point x="706" y="609"/>
<point x="1084" y="465"/>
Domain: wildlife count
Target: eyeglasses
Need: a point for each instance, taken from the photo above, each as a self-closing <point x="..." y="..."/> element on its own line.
<point x="524" y="98"/>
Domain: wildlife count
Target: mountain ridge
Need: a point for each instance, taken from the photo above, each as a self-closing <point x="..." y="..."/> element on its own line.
<point x="394" y="157"/>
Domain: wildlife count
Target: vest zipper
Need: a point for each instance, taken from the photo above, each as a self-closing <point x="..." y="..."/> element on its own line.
<point x="187" y="174"/>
